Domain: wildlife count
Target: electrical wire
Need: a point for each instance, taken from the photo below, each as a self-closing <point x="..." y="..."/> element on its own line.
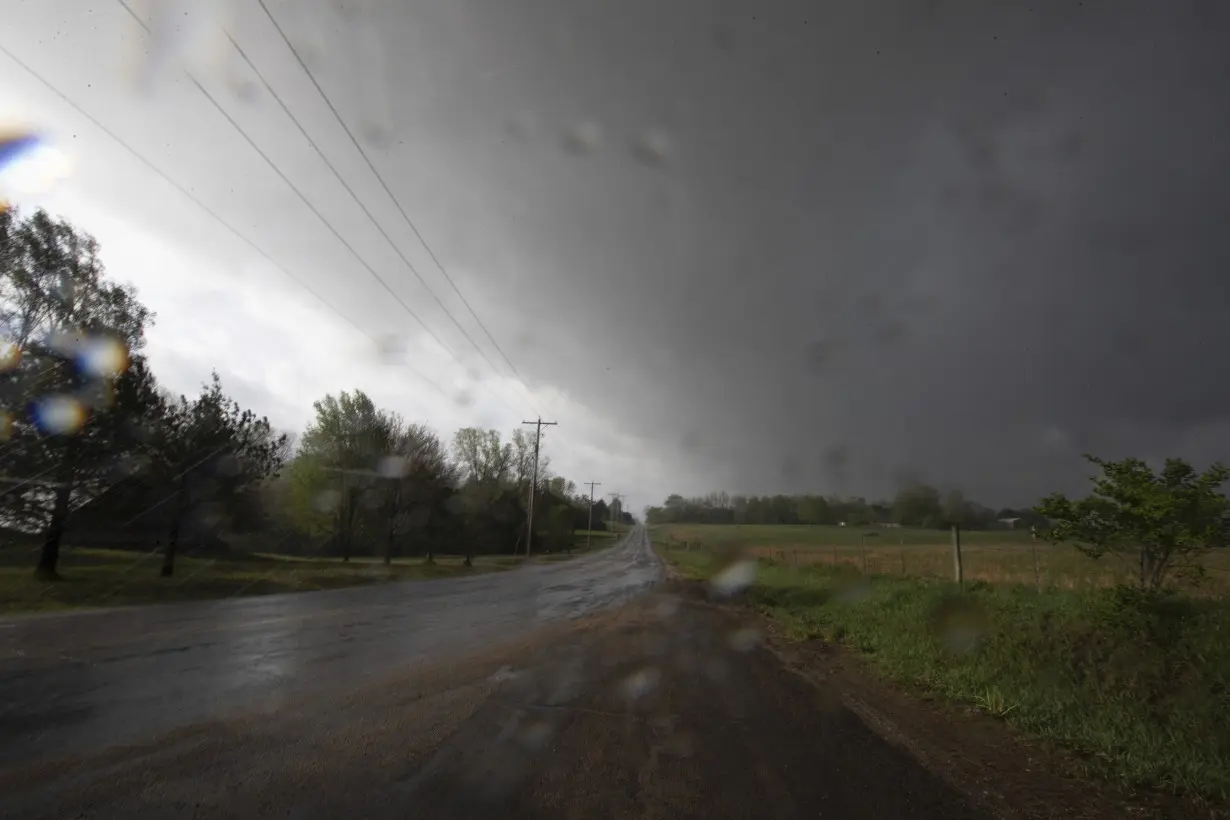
<point x="218" y="218"/>
<point x="302" y="197"/>
<point x="397" y="203"/>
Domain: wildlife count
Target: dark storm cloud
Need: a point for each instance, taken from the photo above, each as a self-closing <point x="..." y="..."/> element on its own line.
<point x="793" y="244"/>
<point x="944" y="240"/>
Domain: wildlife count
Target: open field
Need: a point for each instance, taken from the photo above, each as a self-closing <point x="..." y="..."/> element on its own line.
<point x="1131" y="688"/>
<point x="1001" y="557"/>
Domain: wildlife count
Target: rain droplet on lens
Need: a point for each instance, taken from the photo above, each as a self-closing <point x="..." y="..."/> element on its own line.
<point x="10" y="356"/>
<point x="522" y="125"/>
<point x="67" y="342"/>
<point x="745" y="640"/>
<point x="227" y="465"/>
<point x="97" y="395"/>
<point x="389" y="348"/>
<point x="393" y="467"/>
<point x="102" y="357"/>
<point x="59" y="415"/>
<point x="821" y="353"/>
<point x="583" y="138"/>
<point x="653" y="147"/>
<point x="640" y="683"/>
<point x="327" y="501"/>
<point x="735" y="578"/>
<point x="464" y="398"/>
<point x="536" y="736"/>
<point x="29" y="165"/>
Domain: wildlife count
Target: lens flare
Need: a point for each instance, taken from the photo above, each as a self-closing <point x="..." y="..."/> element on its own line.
<point x="29" y="165"/>
<point x="102" y="357"/>
<point x="10" y="356"/>
<point x="59" y="415"/>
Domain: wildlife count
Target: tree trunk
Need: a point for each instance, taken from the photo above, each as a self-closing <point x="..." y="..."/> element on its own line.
<point x="181" y="508"/>
<point x="168" y="555"/>
<point x="49" y="558"/>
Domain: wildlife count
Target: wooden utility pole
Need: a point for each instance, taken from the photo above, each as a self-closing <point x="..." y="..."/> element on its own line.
<point x="590" y="526"/>
<point x="529" y="524"/>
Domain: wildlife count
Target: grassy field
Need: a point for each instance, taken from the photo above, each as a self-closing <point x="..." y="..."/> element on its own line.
<point x="1136" y="689"/>
<point x="1004" y="556"/>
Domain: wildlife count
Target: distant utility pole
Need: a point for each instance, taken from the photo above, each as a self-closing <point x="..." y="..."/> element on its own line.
<point x="529" y="524"/>
<point x="615" y="497"/>
<point x="590" y="526"/>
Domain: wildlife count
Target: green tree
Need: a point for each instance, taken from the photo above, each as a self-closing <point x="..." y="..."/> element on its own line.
<point x="73" y="388"/>
<point x="420" y="479"/>
<point x="1168" y="519"/>
<point x="214" y="454"/>
<point x="345" y="447"/>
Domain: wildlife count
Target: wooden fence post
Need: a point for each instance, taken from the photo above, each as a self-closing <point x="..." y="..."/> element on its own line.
<point x="956" y="554"/>
<point x="1037" y="574"/>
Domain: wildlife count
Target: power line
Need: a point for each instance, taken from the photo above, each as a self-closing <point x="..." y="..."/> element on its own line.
<point x="196" y="201"/>
<point x="396" y="202"/>
<point x="337" y="175"/>
<point x="302" y="197"/>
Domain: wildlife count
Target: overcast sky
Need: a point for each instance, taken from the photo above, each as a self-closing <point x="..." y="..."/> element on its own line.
<point x="771" y="246"/>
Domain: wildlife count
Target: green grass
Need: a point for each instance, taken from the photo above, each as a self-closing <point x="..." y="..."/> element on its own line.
<point x="1136" y="688"/>
<point x="100" y="577"/>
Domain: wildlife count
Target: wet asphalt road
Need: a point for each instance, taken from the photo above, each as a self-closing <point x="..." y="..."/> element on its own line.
<point x="77" y="684"/>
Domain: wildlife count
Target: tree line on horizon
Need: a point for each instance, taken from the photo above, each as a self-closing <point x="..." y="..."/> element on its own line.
<point x="915" y="505"/>
<point x="93" y="451"/>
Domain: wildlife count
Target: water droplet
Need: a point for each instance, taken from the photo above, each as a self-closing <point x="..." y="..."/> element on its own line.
<point x="29" y="165"/>
<point x="102" y="357"/>
<point x="97" y="395"/>
<point x="393" y="467"/>
<point x="583" y="138"/>
<point x="522" y="125"/>
<point x="328" y="500"/>
<point x="464" y="398"/>
<point x="667" y="607"/>
<point x="821" y="353"/>
<point x="640" y="683"/>
<point x="227" y="465"/>
<point x="735" y="578"/>
<point x="59" y="415"/>
<point x="653" y="147"/>
<point x="536" y="736"/>
<point x="389" y="348"/>
<point x="10" y="356"/>
<point x="745" y="640"/>
<point x="503" y="674"/>
<point x="66" y="341"/>
<point x="960" y="623"/>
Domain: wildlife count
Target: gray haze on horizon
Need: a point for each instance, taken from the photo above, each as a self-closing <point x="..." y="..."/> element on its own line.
<point x="953" y="241"/>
